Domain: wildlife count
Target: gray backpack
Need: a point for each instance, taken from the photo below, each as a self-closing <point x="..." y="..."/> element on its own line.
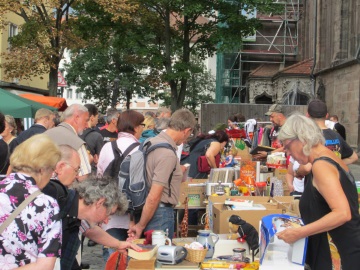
<point x="133" y="178"/>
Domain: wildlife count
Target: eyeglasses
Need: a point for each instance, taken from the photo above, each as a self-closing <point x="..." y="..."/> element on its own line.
<point x="287" y="146"/>
<point x="76" y="170"/>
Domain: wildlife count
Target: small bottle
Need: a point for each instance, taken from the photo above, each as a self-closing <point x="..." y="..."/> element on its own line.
<point x="219" y="189"/>
<point x="234" y="191"/>
<point x="238" y="254"/>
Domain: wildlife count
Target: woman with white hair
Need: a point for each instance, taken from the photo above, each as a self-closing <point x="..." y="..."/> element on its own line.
<point x="329" y="204"/>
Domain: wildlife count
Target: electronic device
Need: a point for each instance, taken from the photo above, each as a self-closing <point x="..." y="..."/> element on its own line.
<point x="171" y="254"/>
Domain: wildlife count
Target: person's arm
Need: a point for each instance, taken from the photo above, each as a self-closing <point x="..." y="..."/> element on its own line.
<point x="303" y="170"/>
<point x="348" y="155"/>
<point x="264" y="154"/>
<point x="151" y="204"/>
<point x="100" y="236"/>
<point x="211" y="152"/>
<point x="46" y="263"/>
<point x="326" y="181"/>
<point x="353" y="158"/>
<point x="290" y="177"/>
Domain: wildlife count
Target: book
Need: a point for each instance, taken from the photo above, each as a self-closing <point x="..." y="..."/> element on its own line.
<point x="239" y="202"/>
<point x="182" y="265"/>
<point x="273" y="249"/>
<point x="147" y="252"/>
<point x="255" y="206"/>
<point x="261" y="148"/>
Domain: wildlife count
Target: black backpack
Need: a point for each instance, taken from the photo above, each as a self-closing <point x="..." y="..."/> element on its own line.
<point x="63" y="195"/>
<point x="133" y="177"/>
<point x="113" y="168"/>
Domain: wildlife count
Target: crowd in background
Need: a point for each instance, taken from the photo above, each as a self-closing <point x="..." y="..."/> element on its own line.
<point x="70" y="159"/>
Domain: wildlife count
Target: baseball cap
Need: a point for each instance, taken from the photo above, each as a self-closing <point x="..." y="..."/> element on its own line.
<point x="317" y="109"/>
<point x="275" y="108"/>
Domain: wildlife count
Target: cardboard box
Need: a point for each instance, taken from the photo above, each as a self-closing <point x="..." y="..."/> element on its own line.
<point x="219" y="213"/>
<point x="142" y="264"/>
<point x="195" y="191"/>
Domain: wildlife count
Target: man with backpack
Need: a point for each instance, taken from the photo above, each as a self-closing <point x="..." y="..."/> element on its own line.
<point x="164" y="176"/>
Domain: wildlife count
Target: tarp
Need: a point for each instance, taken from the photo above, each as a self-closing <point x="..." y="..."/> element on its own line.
<point x="57" y="102"/>
<point x="19" y="107"/>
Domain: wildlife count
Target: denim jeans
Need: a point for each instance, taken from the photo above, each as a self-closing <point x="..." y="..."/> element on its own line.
<point x="164" y="220"/>
<point x="120" y="234"/>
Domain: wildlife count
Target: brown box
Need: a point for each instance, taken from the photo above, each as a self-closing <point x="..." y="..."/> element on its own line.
<point x="221" y="214"/>
<point x="195" y="191"/>
<point x="141" y="264"/>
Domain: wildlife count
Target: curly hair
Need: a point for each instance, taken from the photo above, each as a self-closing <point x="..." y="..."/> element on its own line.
<point x="95" y="188"/>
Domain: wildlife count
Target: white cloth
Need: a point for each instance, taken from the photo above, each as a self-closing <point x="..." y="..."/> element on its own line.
<point x="250" y="125"/>
<point x="297" y="183"/>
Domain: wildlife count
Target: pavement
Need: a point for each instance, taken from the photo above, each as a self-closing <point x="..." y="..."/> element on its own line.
<point x="93" y="255"/>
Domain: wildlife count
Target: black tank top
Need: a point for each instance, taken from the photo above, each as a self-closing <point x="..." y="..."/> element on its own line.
<point x="345" y="239"/>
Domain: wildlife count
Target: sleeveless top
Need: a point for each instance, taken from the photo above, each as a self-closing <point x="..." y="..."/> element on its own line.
<point x="338" y="248"/>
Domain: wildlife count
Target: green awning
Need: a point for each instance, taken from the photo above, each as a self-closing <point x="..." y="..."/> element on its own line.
<point x="19" y="107"/>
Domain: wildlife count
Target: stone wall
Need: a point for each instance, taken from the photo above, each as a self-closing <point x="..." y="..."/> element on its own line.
<point x="342" y="88"/>
<point x="278" y="88"/>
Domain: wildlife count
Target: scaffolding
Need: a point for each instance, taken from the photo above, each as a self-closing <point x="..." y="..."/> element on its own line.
<point x="277" y="43"/>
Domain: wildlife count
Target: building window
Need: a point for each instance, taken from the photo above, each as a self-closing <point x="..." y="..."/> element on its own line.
<point x="69" y="93"/>
<point x="78" y="95"/>
<point x="13" y="31"/>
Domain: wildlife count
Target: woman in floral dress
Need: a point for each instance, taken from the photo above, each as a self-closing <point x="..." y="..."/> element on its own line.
<point x="33" y="238"/>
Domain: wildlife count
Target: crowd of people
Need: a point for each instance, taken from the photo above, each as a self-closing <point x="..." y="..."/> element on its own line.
<point x="61" y="180"/>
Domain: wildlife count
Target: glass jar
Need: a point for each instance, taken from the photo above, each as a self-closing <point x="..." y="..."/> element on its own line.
<point x="239" y="254"/>
<point x="219" y="189"/>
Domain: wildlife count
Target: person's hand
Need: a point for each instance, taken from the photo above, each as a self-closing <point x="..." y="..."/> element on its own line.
<point x="135" y="231"/>
<point x="260" y="155"/>
<point x="96" y="158"/>
<point x="124" y="245"/>
<point x="289" y="235"/>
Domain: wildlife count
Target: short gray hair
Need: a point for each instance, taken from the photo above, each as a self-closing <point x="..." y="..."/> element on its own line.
<point x="72" y="109"/>
<point x="161" y="123"/>
<point x="111" y="114"/>
<point x="182" y="119"/>
<point x="162" y="110"/>
<point x="95" y="188"/>
<point x="300" y="127"/>
<point x="66" y="152"/>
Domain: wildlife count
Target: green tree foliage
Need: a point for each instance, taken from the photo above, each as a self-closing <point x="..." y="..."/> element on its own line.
<point x="200" y="89"/>
<point x="110" y="55"/>
<point x="180" y="29"/>
<point x="163" y="36"/>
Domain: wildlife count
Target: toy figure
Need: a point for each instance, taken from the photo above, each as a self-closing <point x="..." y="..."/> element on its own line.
<point x="244" y="232"/>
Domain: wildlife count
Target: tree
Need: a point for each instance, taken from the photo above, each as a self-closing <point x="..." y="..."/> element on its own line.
<point x="42" y="39"/>
<point x="200" y="89"/>
<point x="183" y="28"/>
<point x="111" y="55"/>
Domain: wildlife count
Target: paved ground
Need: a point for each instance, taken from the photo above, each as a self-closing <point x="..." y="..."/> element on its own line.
<point x="93" y="255"/>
